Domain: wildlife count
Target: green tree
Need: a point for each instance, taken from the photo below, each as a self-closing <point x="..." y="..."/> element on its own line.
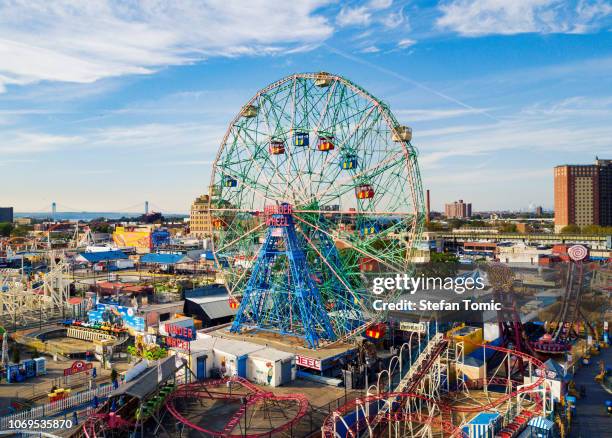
<point x="456" y="223"/>
<point x="5" y="229"/>
<point x="508" y="228"/>
<point x="570" y="229"/>
<point x="19" y="231"/>
<point x="596" y="229"/>
<point x="434" y="226"/>
<point x="441" y="264"/>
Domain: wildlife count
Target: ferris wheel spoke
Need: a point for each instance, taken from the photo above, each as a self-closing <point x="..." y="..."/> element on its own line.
<point x="260" y="191"/>
<point x="322" y="114"/>
<point x="341" y="145"/>
<point x="353" y="177"/>
<point x="273" y="132"/>
<point x="253" y="157"/>
<point x="251" y="160"/>
<point x="240" y="238"/>
<point x="295" y="167"/>
<point x="324" y="259"/>
<point x="352" y="245"/>
<point x="260" y="151"/>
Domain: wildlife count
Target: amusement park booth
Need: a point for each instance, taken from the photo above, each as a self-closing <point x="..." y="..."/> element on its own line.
<point x="230" y="356"/>
<point x="26" y="369"/>
<point x="555" y="375"/>
<point x="483" y="425"/>
<point x="539" y="427"/>
<point x="271" y="367"/>
<point x="200" y="356"/>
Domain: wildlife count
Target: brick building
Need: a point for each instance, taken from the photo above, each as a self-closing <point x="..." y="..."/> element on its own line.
<point x="583" y="194"/>
<point x="458" y="210"/>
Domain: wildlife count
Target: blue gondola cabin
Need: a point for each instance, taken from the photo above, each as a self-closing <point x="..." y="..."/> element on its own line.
<point x="365" y="191"/>
<point x="369" y="230"/>
<point x="277" y="147"/>
<point x="301" y="139"/>
<point x="326" y="143"/>
<point x="229" y="182"/>
<point x="349" y="162"/>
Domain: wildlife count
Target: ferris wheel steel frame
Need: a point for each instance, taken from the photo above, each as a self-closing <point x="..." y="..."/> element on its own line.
<point x="304" y="144"/>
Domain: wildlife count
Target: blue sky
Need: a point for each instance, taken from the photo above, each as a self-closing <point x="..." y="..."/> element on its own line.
<point x="104" y="104"/>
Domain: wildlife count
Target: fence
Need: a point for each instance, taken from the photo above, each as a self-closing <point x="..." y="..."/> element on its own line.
<point x="56" y="407"/>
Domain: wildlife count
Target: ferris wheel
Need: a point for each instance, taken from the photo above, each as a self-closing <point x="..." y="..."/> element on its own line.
<point x="315" y="190"/>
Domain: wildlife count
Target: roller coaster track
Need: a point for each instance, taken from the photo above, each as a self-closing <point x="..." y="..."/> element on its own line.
<point x="409" y="383"/>
<point x="203" y="390"/>
<point x="571" y="302"/>
<point x="330" y="422"/>
<point x="568" y="314"/>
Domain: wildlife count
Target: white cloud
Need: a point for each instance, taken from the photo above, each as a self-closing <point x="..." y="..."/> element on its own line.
<point x="380" y="4"/>
<point x="405" y="43"/>
<point x="151" y="137"/>
<point x="27" y="143"/>
<point x="370" y="49"/>
<point x="359" y="16"/>
<point x="85" y="41"/>
<point x="483" y="17"/>
<point x="420" y="115"/>
<point x="393" y="19"/>
<point x="375" y="11"/>
<point x="543" y="129"/>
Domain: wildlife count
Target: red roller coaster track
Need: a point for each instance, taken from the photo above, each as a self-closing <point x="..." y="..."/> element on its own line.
<point x="328" y="425"/>
<point x="256" y="395"/>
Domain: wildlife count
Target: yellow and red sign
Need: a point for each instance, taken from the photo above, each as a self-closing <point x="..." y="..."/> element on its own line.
<point x="135" y="239"/>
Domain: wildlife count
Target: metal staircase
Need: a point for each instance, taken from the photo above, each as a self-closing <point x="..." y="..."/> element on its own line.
<point x="417" y="371"/>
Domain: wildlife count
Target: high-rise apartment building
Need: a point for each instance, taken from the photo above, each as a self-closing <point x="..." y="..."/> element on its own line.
<point x="199" y="220"/>
<point x="458" y="210"/>
<point x="583" y="194"/>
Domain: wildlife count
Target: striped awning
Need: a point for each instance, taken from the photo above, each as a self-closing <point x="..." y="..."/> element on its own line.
<point x="541" y="423"/>
<point x="478" y="430"/>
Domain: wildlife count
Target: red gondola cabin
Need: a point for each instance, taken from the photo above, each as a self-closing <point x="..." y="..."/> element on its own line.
<point x="277" y="147"/>
<point x="326" y="143"/>
<point x="365" y="191"/>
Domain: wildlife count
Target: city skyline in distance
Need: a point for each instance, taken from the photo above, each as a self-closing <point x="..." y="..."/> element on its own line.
<point x="100" y="126"/>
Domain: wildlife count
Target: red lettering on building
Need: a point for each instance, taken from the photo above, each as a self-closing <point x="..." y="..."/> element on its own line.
<point x="308" y="362"/>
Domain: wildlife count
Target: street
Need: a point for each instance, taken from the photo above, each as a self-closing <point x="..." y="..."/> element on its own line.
<point x="592" y="420"/>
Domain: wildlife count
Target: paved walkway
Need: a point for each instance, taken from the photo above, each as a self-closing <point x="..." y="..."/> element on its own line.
<point x="591" y="418"/>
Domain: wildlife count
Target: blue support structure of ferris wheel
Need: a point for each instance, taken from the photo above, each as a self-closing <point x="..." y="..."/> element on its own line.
<point x="294" y="306"/>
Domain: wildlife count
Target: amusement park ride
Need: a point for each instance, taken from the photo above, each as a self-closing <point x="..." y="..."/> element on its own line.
<point x="564" y="324"/>
<point x="21" y="302"/>
<point x="307" y="154"/>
